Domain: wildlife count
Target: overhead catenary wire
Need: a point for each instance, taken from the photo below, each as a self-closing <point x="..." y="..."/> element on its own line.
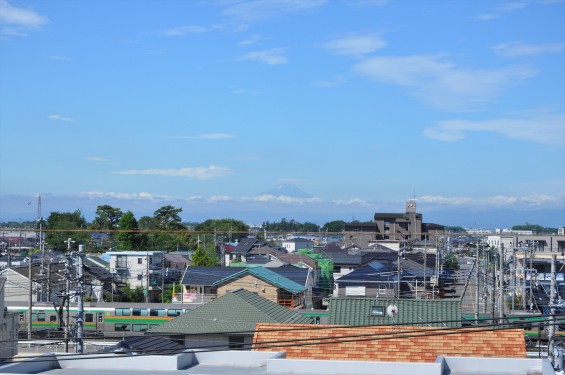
<point x="289" y="343"/>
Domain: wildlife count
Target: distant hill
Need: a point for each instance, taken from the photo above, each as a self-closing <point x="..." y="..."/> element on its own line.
<point x="286" y="190"/>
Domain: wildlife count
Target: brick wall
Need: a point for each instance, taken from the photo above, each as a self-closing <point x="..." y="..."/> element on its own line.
<point x="378" y="343"/>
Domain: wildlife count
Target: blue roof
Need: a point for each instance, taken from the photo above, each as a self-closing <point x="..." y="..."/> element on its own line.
<point x="267" y="275"/>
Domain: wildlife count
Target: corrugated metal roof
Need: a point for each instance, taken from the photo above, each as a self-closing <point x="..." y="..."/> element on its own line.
<point x="358" y="311"/>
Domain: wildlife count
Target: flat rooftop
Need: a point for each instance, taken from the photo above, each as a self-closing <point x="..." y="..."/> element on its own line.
<point x="263" y="363"/>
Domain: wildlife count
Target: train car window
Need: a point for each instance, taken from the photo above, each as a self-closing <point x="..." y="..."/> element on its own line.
<point x="139" y="312"/>
<point x="40" y="317"/>
<point x="157" y="312"/>
<point x="119" y="327"/>
<point x="22" y="317"/>
<point x="100" y="318"/>
<point x="174" y="312"/>
<point x="89" y="318"/>
<point x="52" y="318"/>
<point x="123" y="312"/>
<point x="139" y="327"/>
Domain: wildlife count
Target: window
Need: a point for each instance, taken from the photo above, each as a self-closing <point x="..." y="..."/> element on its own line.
<point x="382" y="289"/>
<point x="22" y="317"/>
<point x="38" y="317"/>
<point x="236" y="342"/>
<point x="100" y="318"/>
<point x="138" y="312"/>
<point x="139" y="327"/>
<point x="121" y="261"/>
<point x="120" y="327"/>
<point x="52" y="318"/>
<point x="157" y="312"/>
<point x="139" y="277"/>
<point x="89" y="317"/>
<point x="377" y="311"/>
<point x="174" y="312"/>
<point x="122" y="312"/>
<point x="139" y="260"/>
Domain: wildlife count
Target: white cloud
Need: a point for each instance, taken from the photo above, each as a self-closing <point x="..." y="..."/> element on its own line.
<point x="56" y="117"/>
<point x="183" y="30"/>
<point x="273" y="56"/>
<point x="245" y="92"/>
<point x="250" y="10"/>
<point x="328" y="83"/>
<point x="538" y="126"/>
<point x="440" y="83"/>
<point x="59" y="58"/>
<point x="198" y="173"/>
<point x="514" y="49"/>
<point x="497" y="201"/>
<point x="265" y="198"/>
<point x="126" y="196"/>
<point x="96" y="158"/>
<point x="352" y="202"/>
<point x="205" y="136"/>
<point x="356" y="45"/>
<point x="17" y="21"/>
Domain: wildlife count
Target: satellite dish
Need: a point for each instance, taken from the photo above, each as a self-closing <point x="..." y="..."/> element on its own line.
<point x="392" y="311"/>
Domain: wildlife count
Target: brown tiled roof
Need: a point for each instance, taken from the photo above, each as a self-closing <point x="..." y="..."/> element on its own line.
<point x="358" y="344"/>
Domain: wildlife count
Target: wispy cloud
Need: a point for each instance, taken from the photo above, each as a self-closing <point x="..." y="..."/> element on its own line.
<point x="273" y="56"/>
<point x="439" y="82"/>
<point x="511" y="6"/>
<point x="260" y="9"/>
<point x="497" y="201"/>
<point x="198" y="173"/>
<point x="184" y="30"/>
<point x="245" y="92"/>
<point x="16" y="21"/>
<point x="56" y="117"/>
<point x="356" y="45"/>
<point x="59" y="58"/>
<point x="328" y="83"/>
<point x="264" y="198"/>
<point x="515" y="49"/>
<point x="125" y="196"/>
<point x="204" y="136"/>
<point x="538" y="126"/>
<point x="97" y="158"/>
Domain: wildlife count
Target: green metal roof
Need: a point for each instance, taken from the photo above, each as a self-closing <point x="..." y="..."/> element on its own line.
<point x="237" y="311"/>
<point x="370" y="311"/>
<point x="268" y="276"/>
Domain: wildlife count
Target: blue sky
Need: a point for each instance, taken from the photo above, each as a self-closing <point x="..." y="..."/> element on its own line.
<point x="209" y="105"/>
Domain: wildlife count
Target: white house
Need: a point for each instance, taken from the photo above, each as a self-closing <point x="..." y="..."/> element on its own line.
<point x="297" y="244"/>
<point x="139" y="269"/>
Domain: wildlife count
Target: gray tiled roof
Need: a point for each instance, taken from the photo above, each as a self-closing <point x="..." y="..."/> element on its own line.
<point x="357" y="311"/>
<point x="238" y="311"/>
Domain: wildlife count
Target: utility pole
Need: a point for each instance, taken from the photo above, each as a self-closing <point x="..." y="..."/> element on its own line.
<point x="477" y="280"/>
<point x="80" y="307"/>
<point x="501" y="283"/>
<point x="67" y="292"/>
<point x="147" y="270"/>
<point x="551" y="330"/>
<point x="30" y="301"/>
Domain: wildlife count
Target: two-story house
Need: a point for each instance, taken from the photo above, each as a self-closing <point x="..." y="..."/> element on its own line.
<point x="143" y="269"/>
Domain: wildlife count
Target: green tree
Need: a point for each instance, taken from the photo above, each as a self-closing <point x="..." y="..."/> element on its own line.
<point x="167" y="218"/>
<point x="106" y="221"/>
<point x="228" y="229"/>
<point x="205" y="256"/>
<point x="133" y="295"/>
<point x="63" y="225"/>
<point x="334" y="226"/>
<point x="129" y="237"/>
<point x="107" y="217"/>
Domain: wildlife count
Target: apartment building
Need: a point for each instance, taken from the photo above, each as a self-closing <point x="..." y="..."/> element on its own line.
<point x="143" y="269"/>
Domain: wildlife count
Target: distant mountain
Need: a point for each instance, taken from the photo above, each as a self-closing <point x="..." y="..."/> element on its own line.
<point x="286" y="190"/>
